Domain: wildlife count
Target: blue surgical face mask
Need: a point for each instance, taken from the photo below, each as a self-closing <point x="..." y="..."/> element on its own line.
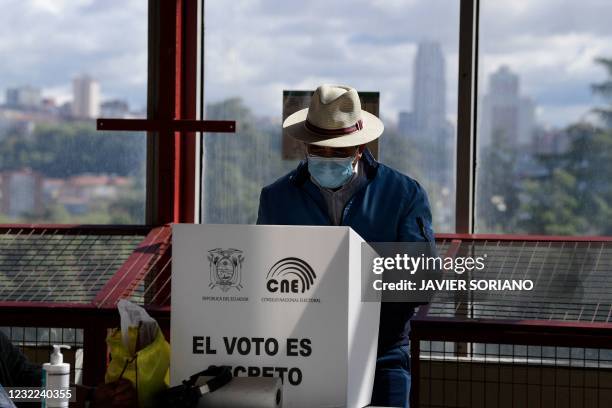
<point x="330" y="172"/>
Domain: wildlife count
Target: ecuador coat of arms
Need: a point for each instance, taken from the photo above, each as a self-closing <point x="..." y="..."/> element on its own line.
<point x="225" y="268"/>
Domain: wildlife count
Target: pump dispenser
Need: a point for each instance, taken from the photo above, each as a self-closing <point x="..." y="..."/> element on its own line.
<point x="57" y="357"/>
<point x="56" y="377"/>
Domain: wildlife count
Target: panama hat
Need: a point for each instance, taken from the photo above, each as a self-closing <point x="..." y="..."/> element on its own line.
<point x="334" y="119"/>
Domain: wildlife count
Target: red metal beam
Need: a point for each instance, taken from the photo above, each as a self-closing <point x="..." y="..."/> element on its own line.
<point x="552" y="326"/>
<point x="164" y="109"/>
<point x="523" y="237"/>
<point x="175" y="176"/>
<point x="179" y="105"/>
<point x="135" y="268"/>
<point x="541" y="332"/>
<point x="186" y="86"/>
<point x="35" y="306"/>
<point x="76" y="229"/>
<point x="71" y="315"/>
<point x="140" y="229"/>
<point x="153" y="125"/>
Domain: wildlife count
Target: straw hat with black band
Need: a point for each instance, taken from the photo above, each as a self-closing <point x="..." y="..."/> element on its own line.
<point x="334" y="119"/>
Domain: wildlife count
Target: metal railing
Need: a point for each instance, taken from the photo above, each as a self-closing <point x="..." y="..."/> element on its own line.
<point x="553" y="349"/>
<point x="516" y="348"/>
<point x="70" y="277"/>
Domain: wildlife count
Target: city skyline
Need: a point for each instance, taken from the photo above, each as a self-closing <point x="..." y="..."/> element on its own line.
<point x="287" y="51"/>
<point x="85" y="101"/>
<point x="49" y="43"/>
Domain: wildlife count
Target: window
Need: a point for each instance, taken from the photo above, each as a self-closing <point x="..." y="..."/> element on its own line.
<point x="65" y="64"/>
<point x="544" y="140"/>
<point x="405" y="51"/>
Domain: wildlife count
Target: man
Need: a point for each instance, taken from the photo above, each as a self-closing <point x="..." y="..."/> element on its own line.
<point x="340" y="183"/>
<point x="15" y="371"/>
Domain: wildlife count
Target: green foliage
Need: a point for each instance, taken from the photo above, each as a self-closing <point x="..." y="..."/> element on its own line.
<point x="65" y="149"/>
<point x="399" y="152"/>
<point x="574" y="199"/>
<point x="572" y="196"/>
<point x="552" y="207"/>
<point x="128" y="208"/>
<point x="605" y="90"/>
<point x="69" y="148"/>
<point x="498" y="195"/>
<point x="238" y="165"/>
<point x="430" y="163"/>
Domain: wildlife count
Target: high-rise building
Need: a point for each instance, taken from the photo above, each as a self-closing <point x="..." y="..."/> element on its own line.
<point x="23" y="97"/>
<point x="429" y="87"/>
<point x="20" y="192"/>
<point x="507" y="117"/>
<point x="86" y="97"/>
<point x="428" y="133"/>
<point x="427" y="125"/>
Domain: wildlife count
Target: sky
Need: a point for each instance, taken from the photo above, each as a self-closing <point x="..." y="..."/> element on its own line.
<point x="46" y="43"/>
<point x="257" y="48"/>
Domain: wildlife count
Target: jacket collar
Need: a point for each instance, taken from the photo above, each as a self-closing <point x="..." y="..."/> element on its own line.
<point x="370" y="166"/>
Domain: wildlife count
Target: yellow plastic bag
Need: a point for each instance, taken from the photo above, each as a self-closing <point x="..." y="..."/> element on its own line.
<point x="147" y="369"/>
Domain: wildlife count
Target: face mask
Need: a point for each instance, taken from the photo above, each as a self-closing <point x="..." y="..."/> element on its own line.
<point x="330" y="172"/>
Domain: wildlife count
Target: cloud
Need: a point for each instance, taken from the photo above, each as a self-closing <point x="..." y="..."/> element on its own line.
<point x="55" y="7"/>
<point x="256" y="48"/>
<point x="555" y="69"/>
<point x="300" y="45"/>
<point x="559" y="114"/>
<point x="551" y="44"/>
<point x="47" y="43"/>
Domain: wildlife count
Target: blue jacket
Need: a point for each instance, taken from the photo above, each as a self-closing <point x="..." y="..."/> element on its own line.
<point x="391" y="207"/>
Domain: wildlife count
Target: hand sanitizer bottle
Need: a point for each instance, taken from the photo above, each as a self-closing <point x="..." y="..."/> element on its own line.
<point x="56" y="379"/>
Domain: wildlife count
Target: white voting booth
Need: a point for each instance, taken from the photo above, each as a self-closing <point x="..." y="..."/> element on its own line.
<point x="280" y="301"/>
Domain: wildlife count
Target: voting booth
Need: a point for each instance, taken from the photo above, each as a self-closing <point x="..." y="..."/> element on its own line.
<point x="281" y="301"/>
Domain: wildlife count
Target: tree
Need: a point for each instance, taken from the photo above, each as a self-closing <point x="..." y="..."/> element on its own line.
<point x="575" y="197"/>
<point x="237" y="166"/>
<point x="499" y="186"/>
<point x="552" y="206"/>
<point x="605" y="90"/>
<point x="62" y="150"/>
<point x="69" y="148"/>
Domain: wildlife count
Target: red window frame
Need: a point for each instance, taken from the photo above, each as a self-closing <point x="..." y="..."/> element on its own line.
<point x="171" y="123"/>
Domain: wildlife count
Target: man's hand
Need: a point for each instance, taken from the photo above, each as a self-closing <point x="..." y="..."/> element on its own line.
<point x="118" y="394"/>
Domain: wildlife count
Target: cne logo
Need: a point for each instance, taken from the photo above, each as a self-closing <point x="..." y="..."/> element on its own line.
<point x="290" y="275"/>
<point x="225" y="268"/>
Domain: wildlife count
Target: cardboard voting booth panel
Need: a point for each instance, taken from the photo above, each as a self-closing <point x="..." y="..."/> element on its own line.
<point x="280" y="301"/>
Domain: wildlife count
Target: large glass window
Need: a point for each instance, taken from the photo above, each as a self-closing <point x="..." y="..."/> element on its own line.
<point x="404" y="51"/>
<point x="544" y="132"/>
<point x="63" y="65"/>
